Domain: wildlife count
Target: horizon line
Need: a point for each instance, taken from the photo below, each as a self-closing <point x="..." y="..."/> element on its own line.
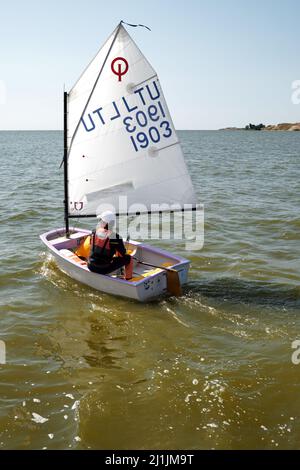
<point x="61" y="130"/>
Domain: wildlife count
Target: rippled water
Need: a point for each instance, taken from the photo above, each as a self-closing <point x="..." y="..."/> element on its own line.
<point x="211" y="369"/>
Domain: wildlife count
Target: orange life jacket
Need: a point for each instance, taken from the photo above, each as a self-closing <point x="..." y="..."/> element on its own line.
<point x="101" y="247"/>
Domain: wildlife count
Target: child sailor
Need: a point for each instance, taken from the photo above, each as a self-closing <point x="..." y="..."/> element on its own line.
<point x="108" y="252"/>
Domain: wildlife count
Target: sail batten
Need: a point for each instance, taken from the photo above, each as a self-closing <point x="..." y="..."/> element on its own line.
<point x="146" y="80"/>
<point x="121" y="138"/>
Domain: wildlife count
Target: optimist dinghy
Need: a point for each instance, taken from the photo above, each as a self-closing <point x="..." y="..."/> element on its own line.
<point x="121" y="153"/>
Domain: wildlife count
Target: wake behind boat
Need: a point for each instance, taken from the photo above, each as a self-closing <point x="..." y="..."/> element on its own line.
<point x="122" y="153"/>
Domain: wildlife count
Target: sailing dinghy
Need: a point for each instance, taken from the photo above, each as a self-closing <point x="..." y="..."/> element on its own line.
<point x="120" y="145"/>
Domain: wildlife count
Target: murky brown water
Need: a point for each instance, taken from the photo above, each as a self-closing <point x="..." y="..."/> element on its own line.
<point x="209" y="370"/>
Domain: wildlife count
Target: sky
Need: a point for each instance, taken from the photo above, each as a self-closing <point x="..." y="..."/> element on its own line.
<point x="220" y="63"/>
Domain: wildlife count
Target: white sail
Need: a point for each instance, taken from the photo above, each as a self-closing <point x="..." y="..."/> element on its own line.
<point x="121" y="139"/>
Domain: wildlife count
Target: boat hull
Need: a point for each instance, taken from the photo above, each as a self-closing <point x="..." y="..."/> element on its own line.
<point x="147" y="284"/>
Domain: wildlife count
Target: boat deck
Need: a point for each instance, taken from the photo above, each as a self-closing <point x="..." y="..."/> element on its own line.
<point x="67" y="248"/>
<point x="150" y="279"/>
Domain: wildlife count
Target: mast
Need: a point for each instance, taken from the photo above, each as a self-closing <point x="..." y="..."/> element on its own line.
<point x="66" y="199"/>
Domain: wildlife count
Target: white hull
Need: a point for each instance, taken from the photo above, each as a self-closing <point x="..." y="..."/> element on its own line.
<point x="147" y="284"/>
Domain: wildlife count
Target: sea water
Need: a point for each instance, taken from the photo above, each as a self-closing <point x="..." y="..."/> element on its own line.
<point x="211" y="369"/>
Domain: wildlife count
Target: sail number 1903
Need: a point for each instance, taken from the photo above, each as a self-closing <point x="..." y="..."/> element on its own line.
<point x="148" y="127"/>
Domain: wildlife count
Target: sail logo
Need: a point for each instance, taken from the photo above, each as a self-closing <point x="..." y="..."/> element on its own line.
<point x="116" y="67"/>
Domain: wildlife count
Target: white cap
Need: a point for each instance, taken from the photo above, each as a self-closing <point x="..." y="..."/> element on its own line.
<point x="108" y="217"/>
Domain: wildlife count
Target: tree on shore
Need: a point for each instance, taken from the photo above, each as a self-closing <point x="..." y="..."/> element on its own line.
<point x="254" y="127"/>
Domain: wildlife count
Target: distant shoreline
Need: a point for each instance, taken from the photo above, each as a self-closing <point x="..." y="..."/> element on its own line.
<point x="277" y="127"/>
<point x="285" y="126"/>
